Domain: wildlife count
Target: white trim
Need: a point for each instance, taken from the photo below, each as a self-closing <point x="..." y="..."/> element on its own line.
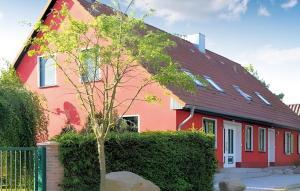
<point x="139" y="120"/>
<point x="216" y="128"/>
<point x="251" y="127"/>
<point x="265" y="139"/>
<point x="39" y="72"/>
<point x="290" y="152"/>
<point x="271" y="145"/>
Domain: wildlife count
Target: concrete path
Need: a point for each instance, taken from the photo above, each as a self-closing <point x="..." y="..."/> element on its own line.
<point x="274" y="182"/>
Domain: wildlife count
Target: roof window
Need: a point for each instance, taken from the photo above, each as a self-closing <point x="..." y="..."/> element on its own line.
<point x="262" y="98"/>
<point x="195" y="79"/>
<point x="214" y="84"/>
<point x="245" y="95"/>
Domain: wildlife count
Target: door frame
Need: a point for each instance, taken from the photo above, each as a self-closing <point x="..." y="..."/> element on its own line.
<point x="237" y="142"/>
<point x="269" y="150"/>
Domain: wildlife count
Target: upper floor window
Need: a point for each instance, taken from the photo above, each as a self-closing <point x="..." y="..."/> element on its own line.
<point x="262" y="98"/>
<point x="245" y="95"/>
<point x="209" y="126"/>
<point x="249" y="138"/>
<point x="195" y="79"/>
<point x="89" y="70"/>
<point x="262" y="139"/>
<point x="288" y="143"/>
<point x="47" y="71"/>
<point x="214" y="84"/>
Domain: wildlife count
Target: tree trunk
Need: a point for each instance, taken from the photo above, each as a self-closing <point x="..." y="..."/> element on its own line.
<point x="102" y="162"/>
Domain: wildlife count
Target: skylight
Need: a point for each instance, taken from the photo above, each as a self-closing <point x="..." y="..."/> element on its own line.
<point x="245" y="95"/>
<point x="214" y="84"/>
<point x="197" y="81"/>
<point x="262" y="98"/>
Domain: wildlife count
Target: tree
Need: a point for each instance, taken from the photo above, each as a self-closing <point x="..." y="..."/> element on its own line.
<point x="118" y="45"/>
<point x="23" y="120"/>
<point x="250" y="68"/>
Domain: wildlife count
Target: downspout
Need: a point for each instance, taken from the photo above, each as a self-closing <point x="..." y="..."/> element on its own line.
<point x="192" y="111"/>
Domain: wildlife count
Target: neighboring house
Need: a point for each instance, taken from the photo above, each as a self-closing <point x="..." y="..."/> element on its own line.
<point x="295" y="108"/>
<point x="253" y="128"/>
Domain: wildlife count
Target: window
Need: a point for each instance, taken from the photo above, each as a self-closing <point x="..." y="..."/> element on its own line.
<point x="245" y="95"/>
<point x="209" y="126"/>
<point x="195" y="79"/>
<point x="262" y="140"/>
<point x="90" y="71"/>
<point x="47" y="72"/>
<point x="214" y="84"/>
<point x="298" y="143"/>
<point x="262" y="98"/>
<point x="249" y="138"/>
<point x="288" y="143"/>
<point x="129" y="123"/>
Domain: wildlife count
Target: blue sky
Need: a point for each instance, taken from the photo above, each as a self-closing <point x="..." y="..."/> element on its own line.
<point x="264" y="33"/>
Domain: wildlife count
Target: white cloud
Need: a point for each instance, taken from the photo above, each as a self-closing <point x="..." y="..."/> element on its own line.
<point x="263" y="11"/>
<point x="289" y="4"/>
<point x="273" y="56"/>
<point x="195" y="10"/>
<point x="1" y="15"/>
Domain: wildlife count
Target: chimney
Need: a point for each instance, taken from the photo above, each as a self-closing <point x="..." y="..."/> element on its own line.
<point x="198" y="40"/>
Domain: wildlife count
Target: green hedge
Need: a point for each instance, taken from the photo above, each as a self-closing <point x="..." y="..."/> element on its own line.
<point x="175" y="161"/>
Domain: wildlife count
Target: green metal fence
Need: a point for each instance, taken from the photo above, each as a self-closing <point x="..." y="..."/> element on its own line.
<point x="22" y="169"/>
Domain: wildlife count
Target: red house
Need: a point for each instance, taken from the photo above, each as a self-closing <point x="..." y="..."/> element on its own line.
<point x="253" y="128"/>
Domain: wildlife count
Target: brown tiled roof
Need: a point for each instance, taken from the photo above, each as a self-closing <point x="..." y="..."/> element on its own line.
<point x="225" y="73"/>
<point x="295" y="108"/>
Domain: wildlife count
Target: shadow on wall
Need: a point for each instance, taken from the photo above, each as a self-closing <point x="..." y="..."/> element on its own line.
<point x="70" y="112"/>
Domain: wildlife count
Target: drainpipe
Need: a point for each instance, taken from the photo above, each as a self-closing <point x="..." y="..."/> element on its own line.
<point x="192" y="111"/>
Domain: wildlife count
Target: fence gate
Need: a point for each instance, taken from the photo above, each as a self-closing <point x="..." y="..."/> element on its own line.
<point x="22" y="169"/>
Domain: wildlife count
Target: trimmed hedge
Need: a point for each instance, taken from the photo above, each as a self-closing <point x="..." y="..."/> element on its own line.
<point x="175" y="161"/>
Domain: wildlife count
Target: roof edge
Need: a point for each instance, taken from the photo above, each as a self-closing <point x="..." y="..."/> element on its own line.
<point x="47" y="9"/>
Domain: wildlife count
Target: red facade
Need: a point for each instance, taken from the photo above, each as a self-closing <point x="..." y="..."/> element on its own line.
<point x="230" y="112"/>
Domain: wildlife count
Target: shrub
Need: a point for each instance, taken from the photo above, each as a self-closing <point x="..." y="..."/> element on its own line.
<point x="175" y="161"/>
<point x="22" y="118"/>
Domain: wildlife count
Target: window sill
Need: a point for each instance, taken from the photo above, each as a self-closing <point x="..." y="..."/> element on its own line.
<point x="262" y="151"/>
<point x="248" y="150"/>
<point x="46" y="87"/>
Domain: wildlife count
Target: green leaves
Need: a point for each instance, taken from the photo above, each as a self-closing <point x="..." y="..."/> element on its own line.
<point x="175" y="161"/>
<point x="22" y="118"/>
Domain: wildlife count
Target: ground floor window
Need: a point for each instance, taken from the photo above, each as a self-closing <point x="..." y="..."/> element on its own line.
<point x="262" y="139"/>
<point x="249" y="138"/>
<point x="209" y="126"/>
<point x="129" y="123"/>
<point x="288" y="143"/>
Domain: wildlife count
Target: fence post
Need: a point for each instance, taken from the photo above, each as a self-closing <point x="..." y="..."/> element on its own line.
<point x="53" y="168"/>
<point x="42" y="169"/>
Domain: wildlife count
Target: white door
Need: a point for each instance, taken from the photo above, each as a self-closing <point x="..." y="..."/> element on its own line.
<point x="271" y="145"/>
<point x="229" y="146"/>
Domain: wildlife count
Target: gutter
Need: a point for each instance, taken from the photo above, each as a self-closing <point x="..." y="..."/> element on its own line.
<point x="192" y="111"/>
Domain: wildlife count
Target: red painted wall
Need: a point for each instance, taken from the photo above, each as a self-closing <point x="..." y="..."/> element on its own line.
<point x="253" y="158"/>
<point x="64" y="107"/>
<point x="281" y="157"/>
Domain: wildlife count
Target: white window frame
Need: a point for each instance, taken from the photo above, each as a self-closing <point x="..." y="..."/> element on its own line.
<point x="262" y="98"/>
<point x="139" y="120"/>
<point x="288" y="143"/>
<point x="264" y="139"/>
<point x="213" y="83"/>
<point x="247" y="127"/>
<point x="100" y="72"/>
<point x="216" y="128"/>
<point x="39" y="73"/>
